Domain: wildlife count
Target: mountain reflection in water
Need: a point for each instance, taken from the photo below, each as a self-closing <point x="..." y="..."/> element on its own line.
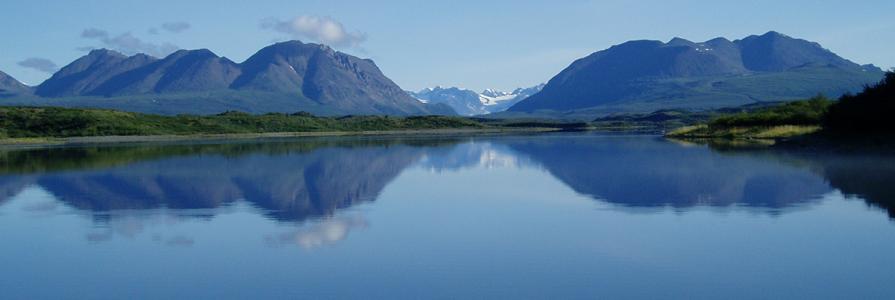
<point x="296" y="180"/>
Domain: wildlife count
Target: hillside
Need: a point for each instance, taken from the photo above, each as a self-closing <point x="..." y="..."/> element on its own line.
<point x="645" y="76"/>
<point x="9" y="86"/>
<point x="284" y="77"/>
<point x="869" y="111"/>
<point x="853" y="116"/>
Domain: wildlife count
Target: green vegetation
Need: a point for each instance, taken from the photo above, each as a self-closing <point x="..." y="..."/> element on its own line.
<point x="659" y="120"/>
<point x="805" y="112"/>
<point x="748" y="132"/>
<point x="534" y="123"/>
<point x="781" y="121"/>
<point x="13" y="161"/>
<point x="868" y="112"/>
<point x="26" y="122"/>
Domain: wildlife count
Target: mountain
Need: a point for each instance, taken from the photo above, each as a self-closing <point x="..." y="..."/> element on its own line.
<point x="182" y="71"/>
<point x="643" y="76"/>
<point x="9" y="86"/>
<point x="464" y="102"/>
<point x="84" y="75"/>
<point x="470" y="103"/>
<point x="329" y="77"/>
<point x="775" y="52"/>
<point x="284" y="77"/>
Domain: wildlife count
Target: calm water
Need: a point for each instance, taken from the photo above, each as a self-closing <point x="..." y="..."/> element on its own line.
<point x="547" y="216"/>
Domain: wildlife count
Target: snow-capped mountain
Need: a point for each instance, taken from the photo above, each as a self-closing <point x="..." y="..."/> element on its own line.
<point x="470" y="103"/>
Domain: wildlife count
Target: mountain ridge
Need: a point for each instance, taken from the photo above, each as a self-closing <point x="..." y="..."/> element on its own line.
<point x="289" y="76"/>
<point x="648" y="75"/>
<point x="471" y="103"/>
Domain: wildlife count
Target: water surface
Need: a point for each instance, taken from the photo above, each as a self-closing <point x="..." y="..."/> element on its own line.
<point x="543" y="216"/>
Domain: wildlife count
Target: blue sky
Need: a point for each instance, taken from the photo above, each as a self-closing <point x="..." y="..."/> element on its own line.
<point x="473" y="44"/>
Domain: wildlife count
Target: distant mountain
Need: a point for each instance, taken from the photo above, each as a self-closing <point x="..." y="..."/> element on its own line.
<point x="470" y="103"/>
<point x="329" y="77"/>
<point x="643" y="76"/>
<point x="284" y="77"/>
<point x="84" y="75"/>
<point x="182" y="71"/>
<point x="9" y="86"/>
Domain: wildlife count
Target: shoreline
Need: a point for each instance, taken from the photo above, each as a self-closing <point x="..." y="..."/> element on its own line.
<point x="41" y="142"/>
<point x="769" y="132"/>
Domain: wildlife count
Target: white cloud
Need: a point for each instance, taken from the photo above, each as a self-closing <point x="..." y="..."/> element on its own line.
<point x="127" y="43"/>
<point x="324" y="30"/>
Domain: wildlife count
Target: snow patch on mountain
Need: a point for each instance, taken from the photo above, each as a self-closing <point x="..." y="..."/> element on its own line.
<point x="470" y="103"/>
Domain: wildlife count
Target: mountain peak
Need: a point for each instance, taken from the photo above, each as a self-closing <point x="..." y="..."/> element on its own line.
<point x="103" y="53"/>
<point x="85" y="74"/>
<point x="321" y="74"/>
<point x="196" y="52"/>
<point x="293" y="45"/>
<point x="468" y="102"/>
<point x="718" y="41"/>
<point x="774" y="34"/>
<point x="9" y="86"/>
<point x="639" y="71"/>
<point x="774" y="51"/>
<point x="494" y="93"/>
<point x="676" y="41"/>
<point x="637" y="44"/>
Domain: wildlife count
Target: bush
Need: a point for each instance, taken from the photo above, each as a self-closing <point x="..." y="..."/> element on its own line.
<point x="869" y="111"/>
<point x="16" y="122"/>
<point x="805" y="112"/>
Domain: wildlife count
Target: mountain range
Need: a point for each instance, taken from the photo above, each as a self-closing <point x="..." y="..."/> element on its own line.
<point x="284" y="77"/>
<point x="470" y="103"/>
<point x="634" y="77"/>
<point x="644" y="76"/>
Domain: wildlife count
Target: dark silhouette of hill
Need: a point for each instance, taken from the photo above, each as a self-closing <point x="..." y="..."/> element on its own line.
<point x="868" y="112"/>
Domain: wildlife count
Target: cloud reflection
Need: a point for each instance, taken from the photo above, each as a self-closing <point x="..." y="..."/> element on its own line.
<point x="326" y="232"/>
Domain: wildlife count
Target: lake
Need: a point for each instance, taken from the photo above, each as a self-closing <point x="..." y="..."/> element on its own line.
<point x="571" y="215"/>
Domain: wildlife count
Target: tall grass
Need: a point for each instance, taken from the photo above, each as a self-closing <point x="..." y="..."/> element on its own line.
<point x="805" y="112"/>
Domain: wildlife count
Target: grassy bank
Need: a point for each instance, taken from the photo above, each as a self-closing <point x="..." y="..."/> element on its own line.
<point x="51" y="125"/>
<point x="783" y="121"/>
<point x="747" y="132"/>
<point x="866" y="115"/>
<point x="31" y="122"/>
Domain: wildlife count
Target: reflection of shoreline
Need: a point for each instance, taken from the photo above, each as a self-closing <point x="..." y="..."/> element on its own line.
<point x="313" y="179"/>
<point x="868" y="175"/>
<point x="27" y="143"/>
<point x="288" y="181"/>
<point x="642" y="172"/>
